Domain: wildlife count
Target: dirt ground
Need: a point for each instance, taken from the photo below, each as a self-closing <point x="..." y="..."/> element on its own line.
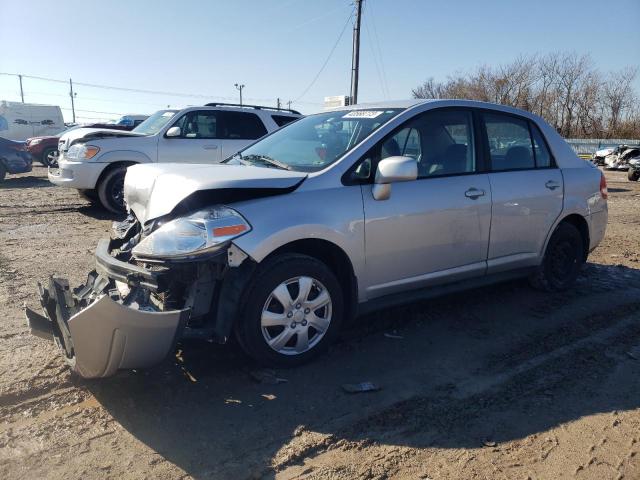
<point x="500" y="382"/>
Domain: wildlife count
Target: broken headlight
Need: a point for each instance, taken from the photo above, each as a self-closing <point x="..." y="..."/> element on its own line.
<point x="198" y="234"/>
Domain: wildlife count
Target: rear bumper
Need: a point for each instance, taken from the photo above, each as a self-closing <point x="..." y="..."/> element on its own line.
<point x="100" y="333"/>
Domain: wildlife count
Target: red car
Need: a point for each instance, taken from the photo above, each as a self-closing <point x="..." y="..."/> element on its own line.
<point x="45" y="149"/>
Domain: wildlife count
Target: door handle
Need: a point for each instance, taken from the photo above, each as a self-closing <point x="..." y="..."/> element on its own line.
<point x="474" y="193"/>
<point x="210" y="147"/>
<point x="551" y="185"/>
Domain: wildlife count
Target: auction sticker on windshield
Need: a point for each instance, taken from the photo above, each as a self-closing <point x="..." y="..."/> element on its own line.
<point x="363" y="114"/>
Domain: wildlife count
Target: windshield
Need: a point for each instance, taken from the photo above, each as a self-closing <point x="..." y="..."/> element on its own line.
<point x="155" y="122"/>
<point x="312" y="143"/>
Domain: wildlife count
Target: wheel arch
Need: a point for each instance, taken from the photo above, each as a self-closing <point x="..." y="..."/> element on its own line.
<point x="111" y="167"/>
<point x="333" y="257"/>
<point x="581" y="224"/>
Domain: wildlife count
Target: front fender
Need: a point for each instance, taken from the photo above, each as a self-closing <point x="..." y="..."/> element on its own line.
<point x="123" y="156"/>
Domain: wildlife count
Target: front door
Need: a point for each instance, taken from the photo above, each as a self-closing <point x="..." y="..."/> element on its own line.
<point x="527" y="191"/>
<point x="435" y="229"/>
<point x="198" y="142"/>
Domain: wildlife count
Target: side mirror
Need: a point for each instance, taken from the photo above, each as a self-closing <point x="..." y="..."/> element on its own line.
<point x="173" y="132"/>
<point x="391" y="170"/>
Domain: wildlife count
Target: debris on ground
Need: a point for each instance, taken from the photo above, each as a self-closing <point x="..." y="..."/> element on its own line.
<point x="360" y="387"/>
<point x="267" y="376"/>
<point x="393" y="335"/>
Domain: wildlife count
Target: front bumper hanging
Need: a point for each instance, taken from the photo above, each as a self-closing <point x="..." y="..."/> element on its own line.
<point x="98" y="331"/>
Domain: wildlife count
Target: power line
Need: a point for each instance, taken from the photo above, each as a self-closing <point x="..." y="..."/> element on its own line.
<point x="375" y="33"/>
<point x="327" y="60"/>
<point x="140" y="90"/>
<point x="374" y="55"/>
<point x="134" y="90"/>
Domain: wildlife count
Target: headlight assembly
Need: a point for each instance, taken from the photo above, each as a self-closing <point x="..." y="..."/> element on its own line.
<point x="198" y="234"/>
<point x="35" y="141"/>
<point x="80" y="151"/>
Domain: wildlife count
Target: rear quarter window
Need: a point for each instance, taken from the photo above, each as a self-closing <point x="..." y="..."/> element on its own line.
<point x="282" y="120"/>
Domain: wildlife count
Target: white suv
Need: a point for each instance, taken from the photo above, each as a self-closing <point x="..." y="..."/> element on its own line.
<point x="95" y="161"/>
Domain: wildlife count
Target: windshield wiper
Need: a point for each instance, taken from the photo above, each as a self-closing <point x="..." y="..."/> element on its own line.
<point x="267" y="160"/>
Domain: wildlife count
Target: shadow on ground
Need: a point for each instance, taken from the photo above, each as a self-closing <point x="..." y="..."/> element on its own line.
<point x="24" y="182"/>
<point x="501" y="362"/>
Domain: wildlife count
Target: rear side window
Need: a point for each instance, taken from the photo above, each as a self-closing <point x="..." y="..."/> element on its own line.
<point x="509" y="141"/>
<point x="282" y="120"/>
<point x="540" y="150"/>
<point x="240" y="126"/>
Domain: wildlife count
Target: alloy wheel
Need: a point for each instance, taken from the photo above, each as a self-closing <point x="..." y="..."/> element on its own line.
<point x="296" y="315"/>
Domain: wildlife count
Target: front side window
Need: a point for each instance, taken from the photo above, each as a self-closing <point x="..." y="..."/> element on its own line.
<point x="198" y="124"/>
<point x="241" y="126"/>
<point x="510" y="146"/>
<point x="314" y="142"/>
<point x="441" y="141"/>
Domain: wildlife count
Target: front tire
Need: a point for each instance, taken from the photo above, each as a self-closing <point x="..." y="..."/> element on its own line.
<point x="50" y="157"/>
<point x="562" y="260"/>
<point x="3" y="173"/>
<point x="633" y="175"/>
<point x="293" y="309"/>
<point x="111" y="189"/>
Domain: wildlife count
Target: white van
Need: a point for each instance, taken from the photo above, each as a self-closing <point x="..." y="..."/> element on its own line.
<point x="19" y="121"/>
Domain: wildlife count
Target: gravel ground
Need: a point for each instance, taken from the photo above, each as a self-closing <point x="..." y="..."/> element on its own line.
<point x="499" y="382"/>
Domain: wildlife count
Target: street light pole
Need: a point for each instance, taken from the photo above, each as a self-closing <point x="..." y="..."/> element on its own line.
<point x="239" y="87"/>
<point x="72" y="95"/>
<point x="21" y="91"/>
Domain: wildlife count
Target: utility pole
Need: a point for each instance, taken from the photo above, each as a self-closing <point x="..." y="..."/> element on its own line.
<point x="239" y="87"/>
<point x="278" y="102"/>
<point x="355" y="58"/>
<point x="72" y="95"/>
<point x="289" y="104"/>
<point x="21" y="91"/>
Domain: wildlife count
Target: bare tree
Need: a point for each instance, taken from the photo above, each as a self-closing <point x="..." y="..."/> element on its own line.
<point x="564" y="88"/>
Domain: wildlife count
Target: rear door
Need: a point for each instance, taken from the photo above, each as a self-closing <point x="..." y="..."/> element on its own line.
<point x="527" y="190"/>
<point x="237" y="130"/>
<point x="434" y="229"/>
<point x="198" y="142"/>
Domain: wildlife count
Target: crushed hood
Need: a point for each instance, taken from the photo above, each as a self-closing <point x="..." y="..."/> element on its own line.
<point x="82" y="134"/>
<point x="155" y="190"/>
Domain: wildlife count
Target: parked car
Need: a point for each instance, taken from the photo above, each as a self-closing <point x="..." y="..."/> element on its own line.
<point x="619" y="158"/>
<point x="336" y="214"/>
<point x="45" y="148"/>
<point x="633" y="173"/>
<point x="19" y="121"/>
<point x="600" y="155"/>
<point x="14" y="158"/>
<point x="95" y="161"/>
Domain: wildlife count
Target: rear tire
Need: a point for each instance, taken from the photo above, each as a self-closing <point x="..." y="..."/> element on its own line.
<point x="3" y="172"/>
<point x="111" y="189"/>
<point x="633" y="175"/>
<point x="562" y="262"/>
<point x="293" y="331"/>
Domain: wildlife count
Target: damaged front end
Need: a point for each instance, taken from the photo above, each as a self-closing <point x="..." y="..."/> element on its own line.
<point x="130" y="313"/>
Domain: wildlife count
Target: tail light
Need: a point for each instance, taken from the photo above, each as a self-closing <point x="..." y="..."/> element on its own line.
<point x="603" y="187"/>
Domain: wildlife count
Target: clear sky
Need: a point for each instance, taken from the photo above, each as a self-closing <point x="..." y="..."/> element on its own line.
<point x="276" y="47"/>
